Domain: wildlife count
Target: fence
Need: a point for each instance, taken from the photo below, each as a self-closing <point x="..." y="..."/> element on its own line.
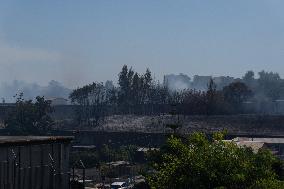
<point x="34" y="167"/>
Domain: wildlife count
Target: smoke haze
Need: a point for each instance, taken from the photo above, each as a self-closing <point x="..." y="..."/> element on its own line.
<point x="78" y="43"/>
<point x="31" y="90"/>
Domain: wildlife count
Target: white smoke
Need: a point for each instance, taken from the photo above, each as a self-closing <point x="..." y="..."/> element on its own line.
<point x="31" y="90"/>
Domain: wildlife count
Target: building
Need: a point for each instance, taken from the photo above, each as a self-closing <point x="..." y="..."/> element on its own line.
<point x="32" y="162"/>
<point x="57" y="101"/>
<point x="201" y="82"/>
<point x="223" y="81"/>
<point x="275" y="145"/>
<point x="177" y="82"/>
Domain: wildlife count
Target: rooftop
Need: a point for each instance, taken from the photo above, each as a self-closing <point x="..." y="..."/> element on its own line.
<point x="254" y="145"/>
<point x="25" y="140"/>
<point x="118" y="183"/>
<point x="263" y="140"/>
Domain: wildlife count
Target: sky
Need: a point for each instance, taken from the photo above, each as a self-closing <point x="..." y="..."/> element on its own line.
<point x="78" y="42"/>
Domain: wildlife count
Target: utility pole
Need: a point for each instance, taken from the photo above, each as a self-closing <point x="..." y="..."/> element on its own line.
<point x="109" y="141"/>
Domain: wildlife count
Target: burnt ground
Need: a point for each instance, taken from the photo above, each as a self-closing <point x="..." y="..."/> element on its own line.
<point x="235" y="124"/>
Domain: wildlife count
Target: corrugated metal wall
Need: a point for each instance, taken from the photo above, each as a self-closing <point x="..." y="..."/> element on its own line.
<point x="35" y="167"/>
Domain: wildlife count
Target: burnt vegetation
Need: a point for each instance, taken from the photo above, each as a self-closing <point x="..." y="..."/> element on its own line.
<point x="140" y="94"/>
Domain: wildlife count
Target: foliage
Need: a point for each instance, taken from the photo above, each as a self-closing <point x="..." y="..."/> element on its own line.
<point x="197" y="162"/>
<point x="134" y="88"/>
<point x="236" y="93"/>
<point x="268" y="184"/>
<point x="140" y="93"/>
<point x="210" y="97"/>
<point x="92" y="101"/>
<point x="270" y="84"/>
<point x="141" y="185"/>
<point x="28" y="117"/>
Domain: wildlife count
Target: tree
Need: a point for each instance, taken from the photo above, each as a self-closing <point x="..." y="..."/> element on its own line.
<point x="29" y="117"/>
<point x="249" y="80"/>
<point x="123" y="84"/>
<point x="135" y="89"/>
<point x="199" y="163"/>
<point x="92" y="100"/>
<point x="248" y="77"/>
<point x="236" y="93"/>
<point x="147" y="83"/>
<point x="270" y="84"/>
<point x="211" y="98"/>
<point x="125" y="81"/>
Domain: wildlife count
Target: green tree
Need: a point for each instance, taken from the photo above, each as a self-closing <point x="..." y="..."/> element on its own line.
<point x="29" y="117"/>
<point x="199" y="163"/>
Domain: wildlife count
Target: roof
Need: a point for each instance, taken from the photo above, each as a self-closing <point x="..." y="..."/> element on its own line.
<point x="56" y="98"/>
<point x="118" y="183"/>
<point x="264" y="140"/>
<point x="146" y="149"/>
<point x="245" y="142"/>
<point x="118" y="163"/>
<point x="26" y="140"/>
<point x="84" y="147"/>
<point x="270" y="140"/>
<point x="254" y="145"/>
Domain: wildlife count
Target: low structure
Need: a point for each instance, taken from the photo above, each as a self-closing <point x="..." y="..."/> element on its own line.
<point x="275" y="145"/>
<point x="31" y="162"/>
<point x="57" y="101"/>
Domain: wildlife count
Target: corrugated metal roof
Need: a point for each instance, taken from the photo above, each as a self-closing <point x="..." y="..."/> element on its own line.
<point x="25" y="140"/>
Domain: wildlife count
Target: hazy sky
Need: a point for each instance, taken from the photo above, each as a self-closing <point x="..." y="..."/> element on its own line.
<point x="77" y="42"/>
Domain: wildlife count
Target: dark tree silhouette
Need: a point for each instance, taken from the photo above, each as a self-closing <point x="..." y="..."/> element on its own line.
<point x="29" y="117"/>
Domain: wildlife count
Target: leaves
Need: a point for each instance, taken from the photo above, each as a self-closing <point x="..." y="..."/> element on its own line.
<point x="200" y="163"/>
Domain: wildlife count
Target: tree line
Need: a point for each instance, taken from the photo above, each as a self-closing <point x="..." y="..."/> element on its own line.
<point x="141" y="94"/>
